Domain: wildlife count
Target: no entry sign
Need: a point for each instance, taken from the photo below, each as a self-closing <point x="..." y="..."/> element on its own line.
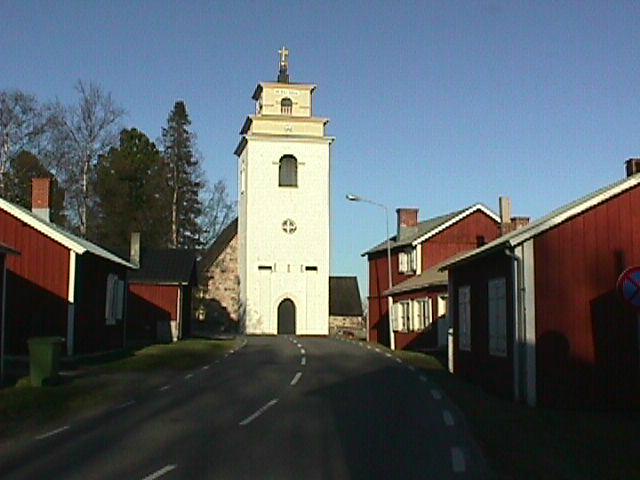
<point x="629" y="286"/>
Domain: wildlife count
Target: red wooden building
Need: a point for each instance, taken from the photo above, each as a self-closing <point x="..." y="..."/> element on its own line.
<point x="160" y="295"/>
<point x="60" y="284"/>
<point x="418" y="290"/>
<point x="535" y="313"/>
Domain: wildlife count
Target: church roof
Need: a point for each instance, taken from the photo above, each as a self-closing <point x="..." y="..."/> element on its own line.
<point x="344" y="297"/>
<point x="218" y="246"/>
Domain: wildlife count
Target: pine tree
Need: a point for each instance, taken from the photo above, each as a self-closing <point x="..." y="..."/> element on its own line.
<point x="184" y="179"/>
<point x="132" y="193"/>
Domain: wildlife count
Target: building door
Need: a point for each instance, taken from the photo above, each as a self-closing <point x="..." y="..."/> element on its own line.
<point x="286" y="317"/>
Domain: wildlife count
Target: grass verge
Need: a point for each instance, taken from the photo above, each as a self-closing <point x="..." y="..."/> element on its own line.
<point x="101" y="384"/>
<point x="535" y="443"/>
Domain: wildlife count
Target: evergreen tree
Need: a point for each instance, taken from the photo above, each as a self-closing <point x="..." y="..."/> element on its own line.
<point x="184" y="179"/>
<point x="132" y="193"/>
<point x="23" y="168"/>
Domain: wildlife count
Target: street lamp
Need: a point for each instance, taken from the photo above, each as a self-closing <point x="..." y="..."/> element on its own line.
<point x="356" y="198"/>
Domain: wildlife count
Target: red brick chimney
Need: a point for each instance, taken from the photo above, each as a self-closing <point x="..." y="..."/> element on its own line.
<point x="633" y="166"/>
<point x="407" y="217"/>
<point x="41" y="197"/>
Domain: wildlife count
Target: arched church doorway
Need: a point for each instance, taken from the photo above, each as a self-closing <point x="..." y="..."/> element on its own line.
<point x="286" y="317"/>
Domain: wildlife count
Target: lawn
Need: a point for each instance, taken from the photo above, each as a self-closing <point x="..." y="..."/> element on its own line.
<point x="102" y="381"/>
<point x="535" y="443"/>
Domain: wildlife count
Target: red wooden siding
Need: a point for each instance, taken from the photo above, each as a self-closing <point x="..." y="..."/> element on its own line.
<point x="587" y="342"/>
<point x="494" y="373"/>
<point x="427" y="338"/>
<point x="92" y="333"/>
<point x="148" y="305"/>
<point x="460" y="237"/>
<point x="37" y="282"/>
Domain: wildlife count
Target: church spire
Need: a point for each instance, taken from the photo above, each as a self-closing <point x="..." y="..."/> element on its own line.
<point x="283" y="73"/>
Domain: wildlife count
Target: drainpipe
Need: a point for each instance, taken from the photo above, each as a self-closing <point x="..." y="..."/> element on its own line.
<point x="519" y="337"/>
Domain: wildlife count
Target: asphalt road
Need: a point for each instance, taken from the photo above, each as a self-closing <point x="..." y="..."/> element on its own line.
<point x="278" y="408"/>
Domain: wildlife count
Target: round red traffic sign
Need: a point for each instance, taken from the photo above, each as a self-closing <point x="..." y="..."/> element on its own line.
<point x="629" y="286"/>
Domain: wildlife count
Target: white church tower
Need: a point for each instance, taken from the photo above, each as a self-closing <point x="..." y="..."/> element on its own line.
<point x="283" y="212"/>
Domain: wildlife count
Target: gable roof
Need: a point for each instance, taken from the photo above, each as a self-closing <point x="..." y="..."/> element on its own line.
<point x="556" y="217"/>
<point x="429" y="278"/>
<point x="58" y="234"/>
<point x="212" y="253"/>
<point x="430" y="227"/>
<point x="344" y="297"/>
<point x="168" y="266"/>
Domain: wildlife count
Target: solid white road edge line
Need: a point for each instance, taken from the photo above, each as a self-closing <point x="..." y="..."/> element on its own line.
<point x="259" y="412"/>
<point x="303" y="361"/>
<point x="296" y="378"/>
<point x="160" y="472"/>
<point x="53" y="432"/>
<point x="457" y="460"/>
<point x="436" y="394"/>
<point x="448" y="418"/>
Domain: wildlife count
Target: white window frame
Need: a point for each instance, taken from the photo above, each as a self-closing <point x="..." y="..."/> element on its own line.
<point x="497" y="305"/>
<point x="407" y="261"/>
<point x="404" y="321"/>
<point x="114" y="299"/>
<point x="464" y="318"/>
<point x="423" y="314"/>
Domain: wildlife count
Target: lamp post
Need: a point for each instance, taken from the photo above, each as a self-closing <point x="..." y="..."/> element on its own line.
<point x="356" y="198"/>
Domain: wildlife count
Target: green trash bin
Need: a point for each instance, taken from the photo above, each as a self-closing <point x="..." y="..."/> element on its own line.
<point x="44" y="360"/>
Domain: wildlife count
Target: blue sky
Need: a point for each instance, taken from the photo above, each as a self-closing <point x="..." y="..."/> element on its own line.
<point x="436" y="105"/>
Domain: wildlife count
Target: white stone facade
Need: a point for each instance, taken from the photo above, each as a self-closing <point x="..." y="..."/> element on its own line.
<point x="284" y="231"/>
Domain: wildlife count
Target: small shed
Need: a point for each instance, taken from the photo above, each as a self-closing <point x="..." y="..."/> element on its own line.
<point x="345" y="307"/>
<point x="160" y="295"/>
<point x="535" y="313"/>
<point x="60" y="284"/>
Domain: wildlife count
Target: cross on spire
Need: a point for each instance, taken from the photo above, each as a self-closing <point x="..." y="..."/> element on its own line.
<point x="283" y="72"/>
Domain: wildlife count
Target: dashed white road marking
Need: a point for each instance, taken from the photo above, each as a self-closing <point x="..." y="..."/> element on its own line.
<point x="303" y="361"/>
<point x="296" y="378"/>
<point x="124" y="405"/>
<point x="368" y="347"/>
<point x="217" y="361"/>
<point x="188" y="376"/>
<point x="436" y="394"/>
<point x="448" y="418"/>
<point x="166" y="387"/>
<point x="160" y="472"/>
<point x="206" y="367"/>
<point x="457" y="460"/>
<point x="52" y="433"/>
<point x="388" y="355"/>
<point x="259" y="412"/>
<point x="303" y="351"/>
<point x="412" y="368"/>
<point x="378" y="350"/>
<point x="423" y="378"/>
<point x="398" y="360"/>
<point x="231" y="352"/>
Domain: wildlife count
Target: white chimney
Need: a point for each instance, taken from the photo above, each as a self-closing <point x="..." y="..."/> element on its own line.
<point x="134" y="249"/>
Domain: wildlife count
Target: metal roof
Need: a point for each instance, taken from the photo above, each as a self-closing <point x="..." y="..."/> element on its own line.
<point x="549" y="221"/>
<point x="58" y="234"/>
<point x="168" y="266"/>
<point x="429" y="278"/>
<point x="430" y="227"/>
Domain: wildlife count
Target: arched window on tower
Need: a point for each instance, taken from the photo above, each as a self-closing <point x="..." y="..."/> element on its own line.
<point x="288" y="174"/>
<point x="286" y="105"/>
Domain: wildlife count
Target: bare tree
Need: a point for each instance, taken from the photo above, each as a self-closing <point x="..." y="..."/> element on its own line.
<point x="218" y="211"/>
<point x="86" y="131"/>
<point x="22" y="123"/>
